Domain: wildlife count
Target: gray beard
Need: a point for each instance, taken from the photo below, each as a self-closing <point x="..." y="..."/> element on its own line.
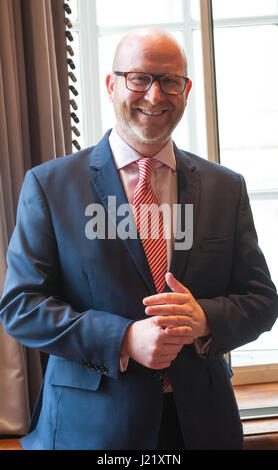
<point x="148" y="137"/>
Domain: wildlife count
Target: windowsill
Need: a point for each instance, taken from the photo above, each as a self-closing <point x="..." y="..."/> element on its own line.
<point x="266" y="373"/>
<point x="260" y="429"/>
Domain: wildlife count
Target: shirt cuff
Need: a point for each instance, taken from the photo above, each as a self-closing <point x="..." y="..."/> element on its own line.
<point x="202" y="346"/>
<point x="123" y="362"/>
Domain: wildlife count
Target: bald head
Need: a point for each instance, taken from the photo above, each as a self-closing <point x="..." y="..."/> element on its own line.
<point x="154" y="40"/>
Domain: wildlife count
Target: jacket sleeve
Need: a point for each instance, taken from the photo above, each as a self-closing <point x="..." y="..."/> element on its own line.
<point x="32" y="310"/>
<point x="250" y="307"/>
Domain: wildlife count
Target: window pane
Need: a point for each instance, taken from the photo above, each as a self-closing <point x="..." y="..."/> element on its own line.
<point x="265" y="349"/>
<point x="265" y="212"/>
<point x="124" y="12"/>
<point x="74" y="10"/>
<point x="195" y="9"/>
<point x="107" y="47"/>
<point x="247" y="93"/>
<point x="238" y="8"/>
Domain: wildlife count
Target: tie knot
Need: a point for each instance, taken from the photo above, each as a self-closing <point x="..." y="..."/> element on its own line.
<point x="146" y="166"/>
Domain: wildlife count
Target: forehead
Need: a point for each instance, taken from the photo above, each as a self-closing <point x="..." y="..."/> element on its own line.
<point x="152" y="54"/>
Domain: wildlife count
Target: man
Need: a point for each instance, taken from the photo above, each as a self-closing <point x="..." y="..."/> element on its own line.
<point x="136" y="355"/>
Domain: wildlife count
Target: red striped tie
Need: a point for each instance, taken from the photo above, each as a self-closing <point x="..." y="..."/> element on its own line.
<point x="150" y="223"/>
<point x="150" y="227"/>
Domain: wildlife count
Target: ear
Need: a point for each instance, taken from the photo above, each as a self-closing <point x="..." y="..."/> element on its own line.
<point x="188" y="88"/>
<point x="110" y="85"/>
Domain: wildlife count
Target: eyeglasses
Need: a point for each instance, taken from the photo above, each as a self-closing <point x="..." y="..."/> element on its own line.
<point x="169" y="83"/>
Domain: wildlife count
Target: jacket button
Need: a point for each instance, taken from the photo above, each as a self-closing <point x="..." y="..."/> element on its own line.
<point x="86" y="364"/>
<point x="158" y="375"/>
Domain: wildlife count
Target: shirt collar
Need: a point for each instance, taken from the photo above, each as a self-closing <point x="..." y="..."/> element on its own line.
<point x="124" y="155"/>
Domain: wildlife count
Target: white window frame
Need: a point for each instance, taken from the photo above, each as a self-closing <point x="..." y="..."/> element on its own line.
<point x="91" y="125"/>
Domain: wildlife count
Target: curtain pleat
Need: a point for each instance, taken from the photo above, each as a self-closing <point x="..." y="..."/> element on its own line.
<point x="34" y="128"/>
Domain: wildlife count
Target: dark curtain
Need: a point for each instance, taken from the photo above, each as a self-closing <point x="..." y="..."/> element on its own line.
<point x="34" y="127"/>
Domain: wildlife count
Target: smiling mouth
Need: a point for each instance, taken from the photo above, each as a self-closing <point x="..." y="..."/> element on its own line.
<point x="152" y="113"/>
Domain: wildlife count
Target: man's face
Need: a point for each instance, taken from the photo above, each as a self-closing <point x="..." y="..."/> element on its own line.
<point x="146" y="120"/>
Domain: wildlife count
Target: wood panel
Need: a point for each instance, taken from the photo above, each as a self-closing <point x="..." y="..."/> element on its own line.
<point x="10" y="444"/>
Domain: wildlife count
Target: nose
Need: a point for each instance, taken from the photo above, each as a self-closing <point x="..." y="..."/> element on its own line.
<point x="154" y="94"/>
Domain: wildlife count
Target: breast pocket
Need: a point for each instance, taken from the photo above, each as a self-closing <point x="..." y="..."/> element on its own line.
<point x="215" y="244"/>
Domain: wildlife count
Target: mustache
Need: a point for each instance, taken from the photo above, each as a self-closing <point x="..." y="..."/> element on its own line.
<point x="146" y="105"/>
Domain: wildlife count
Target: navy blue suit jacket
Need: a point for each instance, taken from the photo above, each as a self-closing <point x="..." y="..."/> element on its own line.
<point x="73" y="297"/>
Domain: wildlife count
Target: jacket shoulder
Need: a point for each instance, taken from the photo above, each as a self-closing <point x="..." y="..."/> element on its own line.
<point x="63" y="163"/>
<point x="78" y="161"/>
<point x="211" y="173"/>
<point x="208" y="166"/>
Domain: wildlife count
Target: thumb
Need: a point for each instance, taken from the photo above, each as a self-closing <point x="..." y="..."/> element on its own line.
<point x="175" y="285"/>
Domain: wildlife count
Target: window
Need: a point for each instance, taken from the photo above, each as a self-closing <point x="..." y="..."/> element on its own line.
<point x="245" y="35"/>
<point x="245" y="72"/>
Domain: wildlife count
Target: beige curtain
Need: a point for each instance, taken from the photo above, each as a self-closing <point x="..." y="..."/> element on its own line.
<point x="34" y="127"/>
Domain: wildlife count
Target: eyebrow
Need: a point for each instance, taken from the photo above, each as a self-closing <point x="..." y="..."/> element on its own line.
<point x="135" y="69"/>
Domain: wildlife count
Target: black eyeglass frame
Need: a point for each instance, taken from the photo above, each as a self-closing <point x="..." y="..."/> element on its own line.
<point x="155" y="78"/>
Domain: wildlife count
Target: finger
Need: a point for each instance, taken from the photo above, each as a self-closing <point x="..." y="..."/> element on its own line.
<point x="171" y="351"/>
<point x="170" y="298"/>
<point x="187" y="340"/>
<point x="169" y="358"/>
<point x="175" y="285"/>
<point x="170" y="310"/>
<point x="179" y="332"/>
<point x="173" y="321"/>
<point x="184" y="337"/>
<point x="175" y="340"/>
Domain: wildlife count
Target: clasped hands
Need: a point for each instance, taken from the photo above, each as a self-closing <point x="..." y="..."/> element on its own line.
<point x="176" y="319"/>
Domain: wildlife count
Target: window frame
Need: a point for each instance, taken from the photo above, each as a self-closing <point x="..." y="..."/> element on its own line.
<point x="91" y="125"/>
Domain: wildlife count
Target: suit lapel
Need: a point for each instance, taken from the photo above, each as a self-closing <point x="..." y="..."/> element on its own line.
<point x="106" y="182"/>
<point x="188" y="187"/>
